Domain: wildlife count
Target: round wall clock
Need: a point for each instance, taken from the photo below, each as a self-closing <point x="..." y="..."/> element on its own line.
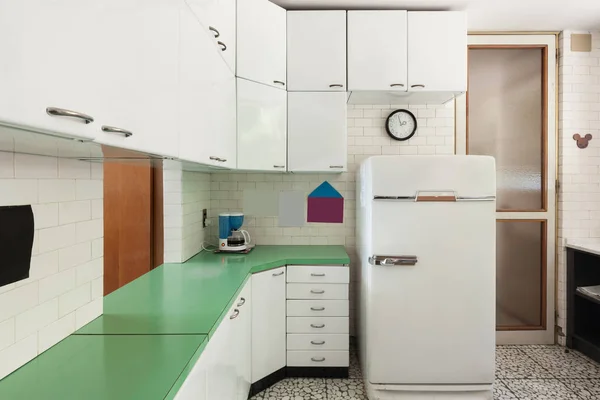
<point x="401" y="125"/>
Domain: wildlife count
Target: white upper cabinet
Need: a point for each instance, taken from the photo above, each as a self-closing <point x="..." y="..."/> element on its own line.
<point x="261" y="127"/>
<point x="217" y="17"/>
<point x="437" y="51"/>
<point x="268" y="323"/>
<point x="207" y="118"/>
<point x="49" y="64"/>
<point x="317" y="132"/>
<point x="261" y="44"/>
<point x="137" y="100"/>
<point x="316" y="50"/>
<point x="377" y="50"/>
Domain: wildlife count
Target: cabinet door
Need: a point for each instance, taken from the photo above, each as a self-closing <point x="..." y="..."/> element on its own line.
<point x="139" y="56"/>
<point x="206" y="97"/>
<point x="48" y="60"/>
<point x="221" y="373"/>
<point x="268" y="323"/>
<point x="261" y="47"/>
<point x="377" y="50"/>
<point x="195" y="385"/>
<point x="316" y="50"/>
<point x="262" y="127"/>
<point x="217" y="18"/>
<point x="437" y="51"/>
<point x="317" y="132"/>
<point x="242" y="340"/>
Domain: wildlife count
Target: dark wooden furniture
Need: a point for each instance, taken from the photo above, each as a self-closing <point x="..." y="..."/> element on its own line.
<point x="583" y="312"/>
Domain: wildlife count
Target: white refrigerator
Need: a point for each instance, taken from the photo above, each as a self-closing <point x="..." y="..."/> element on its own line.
<point x="426" y="239"/>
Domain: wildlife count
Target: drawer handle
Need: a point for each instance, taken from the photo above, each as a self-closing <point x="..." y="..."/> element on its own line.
<point x="61" y="112"/>
<point x="279" y="273"/>
<point x="336" y="166"/>
<point x="242" y="302"/>
<point x="118" y="131"/>
<point x="317" y="326"/>
<point x="320" y="359"/>
<point x="417" y="86"/>
<point x="235" y="314"/>
<point x="215" y="31"/>
<point x="320" y="343"/>
<point x="314" y="274"/>
<point x="397" y="85"/>
<point x="317" y="291"/>
<point x="278" y="166"/>
<point x="279" y="83"/>
<point x="318" y="308"/>
<point x="336" y="85"/>
<point x="223" y="46"/>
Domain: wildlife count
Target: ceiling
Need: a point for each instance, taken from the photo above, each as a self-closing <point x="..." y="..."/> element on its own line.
<point x="492" y="15"/>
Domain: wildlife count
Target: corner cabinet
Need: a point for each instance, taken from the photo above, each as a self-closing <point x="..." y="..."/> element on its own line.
<point x="437" y="51"/>
<point x="317" y="132"/>
<point x="261" y="127"/>
<point x="268" y="323"/>
<point x="316" y="50"/>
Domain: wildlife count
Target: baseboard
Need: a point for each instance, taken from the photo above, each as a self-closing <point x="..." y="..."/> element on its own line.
<point x="267" y="382"/>
<point x="296" y="372"/>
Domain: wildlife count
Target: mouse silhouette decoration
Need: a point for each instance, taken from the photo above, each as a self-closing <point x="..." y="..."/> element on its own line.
<point x="582" y="142"/>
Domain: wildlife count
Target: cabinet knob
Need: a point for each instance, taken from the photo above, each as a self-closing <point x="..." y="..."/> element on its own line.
<point x="417" y="86"/>
<point x="397" y="85"/>
<point x="223" y="46"/>
<point x="318" y="359"/>
<point x="61" y="112"/>
<point x="317" y="326"/>
<point x="119" y="131"/>
<point x="279" y="83"/>
<point x="235" y="314"/>
<point x="334" y="85"/>
<point x="215" y="31"/>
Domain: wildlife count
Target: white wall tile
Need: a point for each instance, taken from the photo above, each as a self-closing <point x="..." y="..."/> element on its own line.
<point x="18" y="300"/>
<point x="74" y="211"/>
<point x="88" y="189"/>
<point x="18" y="354"/>
<point x="89" y="230"/>
<point x="18" y="192"/>
<point x="97" y="170"/>
<point x="57" y="284"/>
<point x="97" y="248"/>
<point x="45" y="215"/>
<point x="7" y="333"/>
<point x="28" y="166"/>
<point x="55" y="190"/>
<point x="88" y="313"/>
<point x="7" y="169"/>
<point x="36" y="318"/>
<point x="89" y="271"/>
<point x="75" y="255"/>
<point x="56" y="238"/>
<point x="74" y="169"/>
<point x="74" y="299"/>
<point x="55" y="332"/>
<point x="98" y="288"/>
<point x="43" y="265"/>
<point x="97" y="209"/>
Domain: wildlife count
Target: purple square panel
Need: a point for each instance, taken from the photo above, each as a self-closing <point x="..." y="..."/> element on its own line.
<point x="326" y="209"/>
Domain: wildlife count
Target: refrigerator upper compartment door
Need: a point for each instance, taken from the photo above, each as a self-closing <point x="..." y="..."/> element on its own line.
<point x="406" y="176"/>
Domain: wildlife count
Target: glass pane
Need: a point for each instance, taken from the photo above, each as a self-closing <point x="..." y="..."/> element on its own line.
<point x="519" y="266"/>
<point x="505" y="120"/>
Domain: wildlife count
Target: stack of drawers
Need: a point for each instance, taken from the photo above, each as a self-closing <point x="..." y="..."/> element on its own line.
<point x="317" y="316"/>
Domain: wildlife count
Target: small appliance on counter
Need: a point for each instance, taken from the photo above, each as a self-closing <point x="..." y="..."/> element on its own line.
<point x="231" y="237"/>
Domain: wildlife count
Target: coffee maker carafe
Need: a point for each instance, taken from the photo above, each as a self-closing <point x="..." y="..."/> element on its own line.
<point x="231" y="237"/>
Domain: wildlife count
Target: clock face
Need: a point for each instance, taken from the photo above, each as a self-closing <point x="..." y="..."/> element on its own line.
<point x="401" y="125"/>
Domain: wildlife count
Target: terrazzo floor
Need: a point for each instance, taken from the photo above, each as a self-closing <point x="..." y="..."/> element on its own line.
<point x="522" y="373"/>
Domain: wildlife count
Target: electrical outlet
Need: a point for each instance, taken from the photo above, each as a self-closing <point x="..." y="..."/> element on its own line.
<point x="204" y="217"/>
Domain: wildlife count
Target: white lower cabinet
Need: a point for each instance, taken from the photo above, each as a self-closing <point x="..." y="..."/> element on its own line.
<point x="261" y="127"/>
<point x="268" y="323"/>
<point x="317" y="131"/>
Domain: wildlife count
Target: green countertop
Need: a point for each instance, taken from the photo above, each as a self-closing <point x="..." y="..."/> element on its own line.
<point x="111" y="367"/>
<point x="189" y="298"/>
<point x="153" y="329"/>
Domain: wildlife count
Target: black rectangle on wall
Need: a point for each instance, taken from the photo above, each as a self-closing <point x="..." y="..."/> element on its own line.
<point x="16" y="243"/>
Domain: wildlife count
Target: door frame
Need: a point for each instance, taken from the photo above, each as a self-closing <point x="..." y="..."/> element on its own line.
<point x="549" y="40"/>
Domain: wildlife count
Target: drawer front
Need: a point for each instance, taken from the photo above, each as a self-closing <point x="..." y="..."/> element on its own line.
<point x="318" y="358"/>
<point x="318" y="325"/>
<point x="318" y="308"/>
<point x="318" y="342"/>
<point x="317" y="274"/>
<point x="323" y="291"/>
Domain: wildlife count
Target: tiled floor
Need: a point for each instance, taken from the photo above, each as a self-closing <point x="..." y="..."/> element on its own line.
<point x="522" y="373"/>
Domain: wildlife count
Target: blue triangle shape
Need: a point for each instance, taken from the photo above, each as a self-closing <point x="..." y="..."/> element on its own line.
<point x="325" y="190"/>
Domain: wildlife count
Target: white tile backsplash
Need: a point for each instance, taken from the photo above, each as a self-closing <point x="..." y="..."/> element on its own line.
<point x="67" y="264"/>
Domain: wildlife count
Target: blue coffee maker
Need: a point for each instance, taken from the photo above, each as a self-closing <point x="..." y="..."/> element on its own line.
<point x="231" y="237"/>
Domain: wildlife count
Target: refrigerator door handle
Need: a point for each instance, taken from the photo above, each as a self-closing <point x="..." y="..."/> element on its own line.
<point x="388" y="261"/>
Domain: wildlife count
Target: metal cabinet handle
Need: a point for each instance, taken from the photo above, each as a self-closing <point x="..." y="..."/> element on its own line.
<point x="61" y="112"/>
<point x="336" y="85"/>
<point x="214" y="158"/>
<point x="215" y="31"/>
<point x="242" y="302"/>
<point x="317" y="291"/>
<point x="315" y="274"/>
<point x="222" y="160"/>
<point x="279" y="83"/>
<point x="279" y="273"/>
<point x="387" y="261"/>
<point x="235" y="314"/>
<point x="397" y="85"/>
<point x="317" y="326"/>
<point x="320" y="343"/>
<point x="278" y="166"/>
<point x="320" y="359"/>
<point x="336" y="166"/>
<point x="223" y="46"/>
<point x="114" y="129"/>
<point x="419" y="86"/>
<point x="317" y="308"/>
